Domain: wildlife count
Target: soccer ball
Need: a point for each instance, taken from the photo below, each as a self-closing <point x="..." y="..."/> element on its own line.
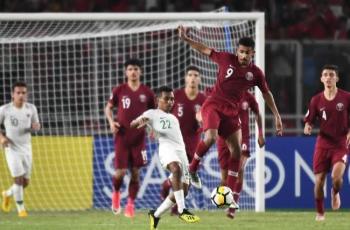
<point x="222" y="197"/>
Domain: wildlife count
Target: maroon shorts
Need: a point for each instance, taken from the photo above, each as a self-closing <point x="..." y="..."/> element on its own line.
<point x="325" y="158"/>
<point x="224" y="152"/>
<point x="129" y="154"/>
<point x="217" y="116"/>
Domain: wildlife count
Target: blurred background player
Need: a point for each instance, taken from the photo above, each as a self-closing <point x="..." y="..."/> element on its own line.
<point x="236" y="74"/>
<point x="236" y="169"/>
<point x="188" y="102"/>
<point x="331" y="107"/>
<point x="172" y="154"/>
<point x="131" y="99"/>
<point x="19" y="118"/>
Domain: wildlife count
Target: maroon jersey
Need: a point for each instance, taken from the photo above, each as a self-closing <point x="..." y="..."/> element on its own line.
<point x="131" y="104"/>
<point x="233" y="80"/>
<point x="247" y="101"/>
<point x="185" y="110"/>
<point x="333" y="117"/>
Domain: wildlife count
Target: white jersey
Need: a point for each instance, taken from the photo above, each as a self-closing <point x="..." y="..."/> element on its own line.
<point x="18" y="122"/>
<point x="167" y="128"/>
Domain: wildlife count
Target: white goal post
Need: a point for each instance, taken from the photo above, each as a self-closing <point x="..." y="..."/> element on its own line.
<point x="71" y="62"/>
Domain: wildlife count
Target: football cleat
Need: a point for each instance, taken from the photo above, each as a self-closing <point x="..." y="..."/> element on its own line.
<point x="335" y="200"/>
<point x="22" y="213"/>
<point x="231" y="213"/>
<point x="6" y="202"/>
<point x="188" y="217"/>
<point x="129" y="211"/>
<point x="153" y="220"/>
<point x="320" y="217"/>
<point x="195" y="180"/>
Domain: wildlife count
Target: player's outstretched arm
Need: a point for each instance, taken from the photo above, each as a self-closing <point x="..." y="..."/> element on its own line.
<point x="139" y="122"/>
<point x="268" y="97"/>
<point x="200" y="47"/>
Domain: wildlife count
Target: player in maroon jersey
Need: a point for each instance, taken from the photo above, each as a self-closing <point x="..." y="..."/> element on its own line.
<point x="188" y="101"/>
<point x="236" y="74"/>
<point x="247" y="102"/>
<point x="331" y="107"/>
<point x="131" y="99"/>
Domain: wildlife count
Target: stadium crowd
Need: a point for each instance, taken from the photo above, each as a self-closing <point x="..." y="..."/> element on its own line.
<point x="293" y="19"/>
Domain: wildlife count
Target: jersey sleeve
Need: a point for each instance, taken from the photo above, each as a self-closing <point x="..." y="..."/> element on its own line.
<point x="113" y="99"/>
<point x="253" y="104"/>
<point x="2" y="114"/>
<point x="218" y="57"/>
<point x="35" y="117"/>
<point x="311" y="114"/>
<point x="261" y="81"/>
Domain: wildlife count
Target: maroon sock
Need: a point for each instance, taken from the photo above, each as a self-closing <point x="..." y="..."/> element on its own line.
<point x="133" y="189"/>
<point x="165" y="189"/>
<point x="320" y="205"/>
<point x="117" y="183"/>
<point x="202" y="148"/>
<point x="237" y="191"/>
<point x="232" y="174"/>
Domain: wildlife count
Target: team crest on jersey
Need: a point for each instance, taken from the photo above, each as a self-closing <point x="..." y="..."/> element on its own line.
<point x="28" y="115"/>
<point x="340" y="106"/>
<point x="197" y="108"/>
<point x="245" y="105"/>
<point x="142" y="98"/>
<point x="14" y="121"/>
<point x="249" y="76"/>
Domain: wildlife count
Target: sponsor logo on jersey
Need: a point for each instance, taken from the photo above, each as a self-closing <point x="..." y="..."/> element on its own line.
<point x="143" y="98"/>
<point x="249" y="76"/>
<point x="340" y="106"/>
<point x="28" y="115"/>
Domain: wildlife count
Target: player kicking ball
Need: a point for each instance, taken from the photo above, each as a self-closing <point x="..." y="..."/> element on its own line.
<point x="172" y="155"/>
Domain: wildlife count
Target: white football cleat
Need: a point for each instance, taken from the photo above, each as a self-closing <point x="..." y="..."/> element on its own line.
<point x="320" y="217"/>
<point x="195" y="180"/>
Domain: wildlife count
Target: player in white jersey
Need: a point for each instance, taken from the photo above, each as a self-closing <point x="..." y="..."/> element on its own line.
<point x="172" y="154"/>
<point x="19" y="118"/>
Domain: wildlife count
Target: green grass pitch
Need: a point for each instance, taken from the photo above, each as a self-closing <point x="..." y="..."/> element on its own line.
<point x="210" y="220"/>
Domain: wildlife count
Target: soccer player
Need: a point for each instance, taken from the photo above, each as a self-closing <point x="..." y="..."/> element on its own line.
<point x="236" y="75"/>
<point x="131" y="99"/>
<point x="236" y="181"/>
<point x="172" y="154"/>
<point x="19" y="118"/>
<point x="188" y="101"/>
<point x="331" y="107"/>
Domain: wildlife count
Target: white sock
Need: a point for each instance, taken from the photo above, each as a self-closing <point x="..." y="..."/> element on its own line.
<point x="167" y="203"/>
<point x="180" y="200"/>
<point x="9" y="192"/>
<point x="18" y="196"/>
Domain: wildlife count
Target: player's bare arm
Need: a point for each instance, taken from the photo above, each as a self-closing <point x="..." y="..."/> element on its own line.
<point x="200" y="47"/>
<point x="308" y="129"/>
<point x="4" y="141"/>
<point x="348" y="139"/>
<point x="268" y="97"/>
<point x="114" y="126"/>
<point x="36" y="126"/>
<point x="139" y="123"/>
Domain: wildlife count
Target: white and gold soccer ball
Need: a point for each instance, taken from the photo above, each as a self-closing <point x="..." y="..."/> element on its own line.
<point x="222" y="197"/>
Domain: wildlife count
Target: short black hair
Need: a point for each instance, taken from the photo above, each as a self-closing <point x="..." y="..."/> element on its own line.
<point x="192" y="67"/>
<point x="18" y="84"/>
<point x="331" y="67"/>
<point x="133" y="61"/>
<point x="247" y="41"/>
<point x="162" y="89"/>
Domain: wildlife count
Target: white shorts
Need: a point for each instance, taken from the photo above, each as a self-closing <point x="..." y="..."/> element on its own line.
<point x="20" y="164"/>
<point x="168" y="155"/>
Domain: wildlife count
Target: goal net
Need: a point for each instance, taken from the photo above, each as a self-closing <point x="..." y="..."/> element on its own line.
<point x="72" y="62"/>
